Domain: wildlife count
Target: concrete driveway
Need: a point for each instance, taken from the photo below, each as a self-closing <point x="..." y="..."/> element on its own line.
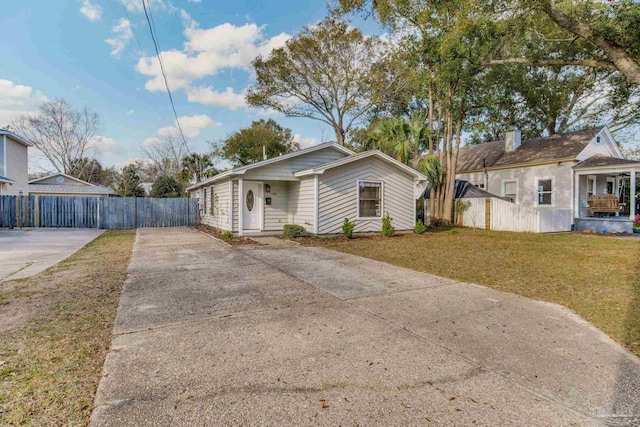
<point x="25" y="253"/>
<point x="211" y="335"/>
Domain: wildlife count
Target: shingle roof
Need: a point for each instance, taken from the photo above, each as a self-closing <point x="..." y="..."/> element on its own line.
<point x="6" y="180"/>
<point x="69" y="189"/>
<point x="599" y="161"/>
<point x="551" y="148"/>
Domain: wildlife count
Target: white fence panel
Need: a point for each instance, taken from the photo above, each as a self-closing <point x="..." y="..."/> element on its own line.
<point x="476" y="214"/>
<point x="507" y="216"/>
<point x="504" y="216"/>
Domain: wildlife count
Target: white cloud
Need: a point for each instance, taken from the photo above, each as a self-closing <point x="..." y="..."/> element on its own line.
<point x="206" y="95"/>
<point x="122" y="34"/>
<point x="132" y="161"/>
<point x="91" y="11"/>
<point x="304" y="142"/>
<point x="18" y="99"/>
<point x="102" y="144"/>
<point x="207" y="52"/>
<point x="192" y="126"/>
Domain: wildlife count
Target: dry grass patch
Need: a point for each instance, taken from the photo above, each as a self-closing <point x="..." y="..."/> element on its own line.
<point x="55" y="333"/>
<point x="598" y="278"/>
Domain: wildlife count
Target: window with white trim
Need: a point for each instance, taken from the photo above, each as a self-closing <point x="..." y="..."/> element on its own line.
<point x="510" y="190"/>
<point x="203" y="209"/>
<point x="591" y="186"/>
<point x="369" y="199"/>
<point x="545" y="192"/>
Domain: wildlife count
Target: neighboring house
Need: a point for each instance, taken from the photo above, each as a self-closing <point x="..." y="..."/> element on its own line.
<point x="59" y="184"/>
<point x="14" y="164"/>
<point x="317" y="188"/>
<point x="557" y="175"/>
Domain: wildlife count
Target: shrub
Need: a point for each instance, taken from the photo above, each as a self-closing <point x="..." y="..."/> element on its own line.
<point x="292" y="231"/>
<point x="636" y="222"/>
<point x="347" y="228"/>
<point x="226" y="236"/>
<point x="387" y="228"/>
<point x="419" y="228"/>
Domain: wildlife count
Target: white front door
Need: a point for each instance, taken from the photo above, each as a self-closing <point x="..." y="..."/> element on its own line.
<point x="251" y="205"/>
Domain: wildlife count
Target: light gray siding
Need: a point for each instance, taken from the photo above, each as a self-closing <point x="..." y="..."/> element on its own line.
<point x="338" y="196"/>
<point x="220" y="216"/>
<point x="17" y="161"/>
<point x="284" y="170"/>
<point x="276" y="215"/>
<point x="302" y="203"/>
<point x="235" y="206"/>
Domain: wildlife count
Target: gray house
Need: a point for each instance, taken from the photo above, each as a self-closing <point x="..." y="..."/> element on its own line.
<point x="316" y="188"/>
<point x="563" y="177"/>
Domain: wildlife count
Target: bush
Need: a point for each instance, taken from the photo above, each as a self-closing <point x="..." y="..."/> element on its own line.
<point x="294" y="230"/>
<point x="387" y="228"/>
<point x="166" y="186"/>
<point x="347" y="228"/>
<point x="419" y="228"/>
<point x="226" y="236"/>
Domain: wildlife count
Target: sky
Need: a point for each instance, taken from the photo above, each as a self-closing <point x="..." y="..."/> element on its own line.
<point x="99" y="54"/>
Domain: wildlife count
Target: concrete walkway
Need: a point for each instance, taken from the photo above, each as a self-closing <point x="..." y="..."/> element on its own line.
<point x="25" y="253"/>
<point x="287" y="335"/>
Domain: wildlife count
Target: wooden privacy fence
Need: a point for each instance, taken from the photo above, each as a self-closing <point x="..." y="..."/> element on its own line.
<point x="96" y="212"/>
<point x="498" y="214"/>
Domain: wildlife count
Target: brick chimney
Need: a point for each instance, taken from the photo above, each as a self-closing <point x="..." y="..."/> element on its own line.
<point x="512" y="140"/>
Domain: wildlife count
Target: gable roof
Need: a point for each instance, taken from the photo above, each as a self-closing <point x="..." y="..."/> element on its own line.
<point x="42" y="178"/>
<point x="242" y="169"/>
<point x="320" y="169"/>
<point x="536" y="150"/>
<point x="603" y="161"/>
<point x="16" y="137"/>
<point x="70" y="189"/>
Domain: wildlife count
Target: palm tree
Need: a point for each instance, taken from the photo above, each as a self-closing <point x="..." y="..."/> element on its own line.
<point x="197" y="166"/>
<point x="403" y="139"/>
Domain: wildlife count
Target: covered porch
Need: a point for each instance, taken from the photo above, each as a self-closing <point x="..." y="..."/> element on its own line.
<point x="606" y="195"/>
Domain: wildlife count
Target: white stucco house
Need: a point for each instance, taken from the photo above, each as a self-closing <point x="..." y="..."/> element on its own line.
<point x="14" y="164"/>
<point x="557" y="176"/>
<point x="317" y="188"/>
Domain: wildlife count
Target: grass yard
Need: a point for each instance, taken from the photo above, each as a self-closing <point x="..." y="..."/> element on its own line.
<point x="55" y="331"/>
<point x="597" y="277"/>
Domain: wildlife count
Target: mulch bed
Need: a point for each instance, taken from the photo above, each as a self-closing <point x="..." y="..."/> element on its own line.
<point x="217" y="233"/>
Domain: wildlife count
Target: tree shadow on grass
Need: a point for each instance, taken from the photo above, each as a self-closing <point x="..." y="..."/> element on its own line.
<point x="625" y="405"/>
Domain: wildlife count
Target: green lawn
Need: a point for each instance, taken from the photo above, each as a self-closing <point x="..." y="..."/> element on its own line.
<point x="55" y="331"/>
<point x="597" y="277"/>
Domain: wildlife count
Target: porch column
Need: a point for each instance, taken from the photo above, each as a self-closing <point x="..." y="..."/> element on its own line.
<point x="632" y="195"/>
<point x="240" y="210"/>
<point x="576" y="196"/>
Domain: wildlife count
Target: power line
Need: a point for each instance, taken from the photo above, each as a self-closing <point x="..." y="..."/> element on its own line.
<point x="147" y="12"/>
<point x="126" y="12"/>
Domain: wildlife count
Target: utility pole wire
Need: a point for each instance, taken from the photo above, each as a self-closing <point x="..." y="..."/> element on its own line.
<point x="147" y="12"/>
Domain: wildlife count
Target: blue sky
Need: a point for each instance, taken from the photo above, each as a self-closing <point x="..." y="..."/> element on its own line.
<point x="99" y="53"/>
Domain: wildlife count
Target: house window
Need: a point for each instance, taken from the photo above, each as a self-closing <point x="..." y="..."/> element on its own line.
<point x="545" y="192"/>
<point x="481" y="186"/>
<point x="204" y="201"/>
<point x="213" y="198"/>
<point x="611" y="185"/>
<point x="369" y="199"/>
<point x="510" y="190"/>
<point x="591" y="186"/>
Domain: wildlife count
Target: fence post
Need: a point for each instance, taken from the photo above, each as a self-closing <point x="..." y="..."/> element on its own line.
<point x="487" y="210"/>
